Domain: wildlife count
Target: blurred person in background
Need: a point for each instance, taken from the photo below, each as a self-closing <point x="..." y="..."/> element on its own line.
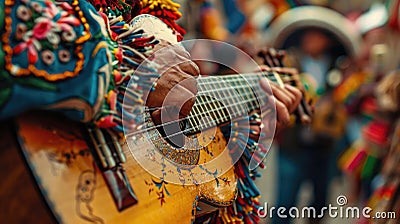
<point x="320" y="55"/>
<point x="308" y="153"/>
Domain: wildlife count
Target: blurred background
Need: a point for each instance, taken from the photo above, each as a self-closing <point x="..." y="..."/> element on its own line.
<point x="347" y="54"/>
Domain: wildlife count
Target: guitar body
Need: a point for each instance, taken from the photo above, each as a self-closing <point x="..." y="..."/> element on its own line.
<point x="77" y="192"/>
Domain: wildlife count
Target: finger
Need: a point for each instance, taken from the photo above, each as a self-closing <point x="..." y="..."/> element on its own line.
<point x="181" y="98"/>
<point x="297" y="96"/>
<point x="166" y="83"/>
<point x="283" y="116"/>
<point x="156" y="116"/>
<point x="162" y="88"/>
<point x="189" y="83"/>
<point x="292" y="97"/>
<point x="190" y="68"/>
<point x="165" y="115"/>
<point x="279" y="127"/>
<point x="272" y="54"/>
<point x="266" y="85"/>
<point x="264" y="68"/>
<point x="269" y="123"/>
<point x="269" y="60"/>
<point x="281" y="54"/>
<point x="282" y="95"/>
<point x="292" y="73"/>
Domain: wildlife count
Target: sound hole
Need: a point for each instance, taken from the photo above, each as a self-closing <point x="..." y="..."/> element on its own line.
<point x="172" y="132"/>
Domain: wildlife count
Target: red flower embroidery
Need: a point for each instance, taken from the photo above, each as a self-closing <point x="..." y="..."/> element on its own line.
<point x="41" y="29"/>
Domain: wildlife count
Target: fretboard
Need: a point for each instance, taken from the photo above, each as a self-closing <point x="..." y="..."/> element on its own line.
<point x="223" y="98"/>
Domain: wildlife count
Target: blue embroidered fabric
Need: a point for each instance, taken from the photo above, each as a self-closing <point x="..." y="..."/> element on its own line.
<point x="55" y="56"/>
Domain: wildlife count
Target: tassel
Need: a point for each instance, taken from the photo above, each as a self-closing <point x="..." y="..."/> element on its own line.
<point x="130" y="79"/>
<point x="245" y="134"/>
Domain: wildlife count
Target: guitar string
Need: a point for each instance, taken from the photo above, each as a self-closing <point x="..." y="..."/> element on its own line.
<point x="207" y="125"/>
<point x="195" y="116"/>
<point x="190" y="129"/>
<point x="189" y="117"/>
<point x="234" y="114"/>
<point x="216" y="91"/>
<point x="131" y="154"/>
<point x="206" y="103"/>
<point x="240" y="77"/>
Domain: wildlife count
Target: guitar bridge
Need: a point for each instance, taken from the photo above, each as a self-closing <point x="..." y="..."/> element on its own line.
<point x="109" y="157"/>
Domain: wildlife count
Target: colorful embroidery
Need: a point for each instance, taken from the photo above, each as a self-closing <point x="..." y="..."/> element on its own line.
<point x="55" y="57"/>
<point x="36" y="30"/>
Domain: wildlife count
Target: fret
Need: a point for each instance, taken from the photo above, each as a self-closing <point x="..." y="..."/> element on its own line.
<point x="261" y="94"/>
<point x="216" y="95"/>
<point x="204" y="112"/>
<point x="219" y="115"/>
<point x="236" y="95"/>
<point x="253" y="104"/>
<point x="221" y="98"/>
<point x="258" y="91"/>
<point x="229" y="95"/>
<point x="222" y="116"/>
<point x="227" y="99"/>
<point x="244" y="90"/>
<point x="241" y="92"/>
<point x="191" y="122"/>
<point x="194" y="123"/>
<point x="209" y="113"/>
<point x="278" y="79"/>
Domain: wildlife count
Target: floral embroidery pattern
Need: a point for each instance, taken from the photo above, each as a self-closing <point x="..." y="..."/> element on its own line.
<point x="43" y="29"/>
<point x="48" y="23"/>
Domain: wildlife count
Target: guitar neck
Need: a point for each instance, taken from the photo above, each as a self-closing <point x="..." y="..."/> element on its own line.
<point x="223" y="98"/>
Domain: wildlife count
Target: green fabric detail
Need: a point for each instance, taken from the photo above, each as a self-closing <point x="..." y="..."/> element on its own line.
<point x="36" y="83"/>
<point x="47" y="45"/>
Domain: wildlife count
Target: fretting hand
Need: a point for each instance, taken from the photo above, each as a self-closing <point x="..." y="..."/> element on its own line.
<point x="287" y="98"/>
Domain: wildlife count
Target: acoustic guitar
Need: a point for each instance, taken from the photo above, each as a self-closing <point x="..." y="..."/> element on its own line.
<point x="86" y="175"/>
